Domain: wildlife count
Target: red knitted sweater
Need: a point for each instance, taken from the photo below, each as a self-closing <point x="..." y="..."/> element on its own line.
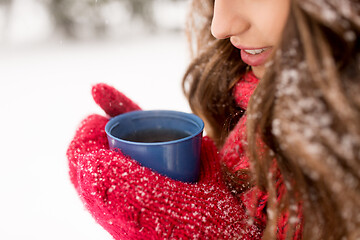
<point x="133" y="202"/>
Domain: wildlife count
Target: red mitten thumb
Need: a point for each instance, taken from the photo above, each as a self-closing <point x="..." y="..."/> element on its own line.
<point x="112" y="101"/>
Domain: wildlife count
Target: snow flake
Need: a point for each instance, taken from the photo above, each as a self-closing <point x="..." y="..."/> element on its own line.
<point x="276" y="127"/>
<point x="293" y="219"/>
<point x="293" y="207"/>
<point x="270" y="213"/>
<point x="329" y="14"/>
<point x="350" y="36"/>
<point x="112" y="188"/>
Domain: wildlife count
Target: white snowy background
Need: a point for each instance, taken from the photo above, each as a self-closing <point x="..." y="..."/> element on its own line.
<point x="45" y="83"/>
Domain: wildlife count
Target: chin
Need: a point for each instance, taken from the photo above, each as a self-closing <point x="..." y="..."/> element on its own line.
<point x="259" y="71"/>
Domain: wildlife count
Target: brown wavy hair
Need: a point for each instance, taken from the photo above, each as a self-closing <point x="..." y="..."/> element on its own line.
<point x="306" y="109"/>
<point x="211" y="75"/>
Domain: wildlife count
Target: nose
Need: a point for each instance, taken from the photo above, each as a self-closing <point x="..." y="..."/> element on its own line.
<point x="228" y="20"/>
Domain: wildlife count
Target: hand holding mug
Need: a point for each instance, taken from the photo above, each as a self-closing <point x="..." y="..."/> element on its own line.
<point x="133" y="202"/>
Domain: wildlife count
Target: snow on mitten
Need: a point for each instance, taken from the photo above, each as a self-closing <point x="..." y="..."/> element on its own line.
<point x="113" y="103"/>
<point x="133" y="202"/>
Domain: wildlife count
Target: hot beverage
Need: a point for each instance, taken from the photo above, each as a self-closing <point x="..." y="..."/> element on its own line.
<point x="155" y="135"/>
<point x="168" y="142"/>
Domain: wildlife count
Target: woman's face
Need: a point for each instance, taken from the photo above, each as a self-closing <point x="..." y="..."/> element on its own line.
<point x="253" y="26"/>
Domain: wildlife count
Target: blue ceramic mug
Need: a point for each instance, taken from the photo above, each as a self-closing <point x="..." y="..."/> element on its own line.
<point x="168" y="142"/>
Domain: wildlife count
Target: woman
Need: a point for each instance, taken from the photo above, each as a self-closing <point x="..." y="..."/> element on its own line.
<point x="301" y="130"/>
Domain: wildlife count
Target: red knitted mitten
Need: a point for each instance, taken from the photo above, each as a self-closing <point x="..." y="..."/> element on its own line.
<point x="112" y="101"/>
<point x="133" y="202"/>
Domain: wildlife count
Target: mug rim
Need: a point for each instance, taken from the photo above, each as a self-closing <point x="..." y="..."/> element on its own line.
<point x="113" y="122"/>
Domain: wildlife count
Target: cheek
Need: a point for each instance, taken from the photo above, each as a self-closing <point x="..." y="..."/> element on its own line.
<point x="273" y="20"/>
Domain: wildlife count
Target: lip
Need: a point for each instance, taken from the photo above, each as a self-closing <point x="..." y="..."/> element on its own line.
<point x="254" y="60"/>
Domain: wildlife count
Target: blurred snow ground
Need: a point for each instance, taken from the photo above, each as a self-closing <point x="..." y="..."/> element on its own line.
<point x="45" y="84"/>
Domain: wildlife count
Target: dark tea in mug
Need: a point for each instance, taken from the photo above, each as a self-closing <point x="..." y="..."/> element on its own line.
<point x="155" y="135"/>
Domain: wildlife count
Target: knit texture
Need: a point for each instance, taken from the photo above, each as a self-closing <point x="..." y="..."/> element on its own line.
<point x="112" y="101"/>
<point x="233" y="155"/>
<point x="133" y="202"/>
